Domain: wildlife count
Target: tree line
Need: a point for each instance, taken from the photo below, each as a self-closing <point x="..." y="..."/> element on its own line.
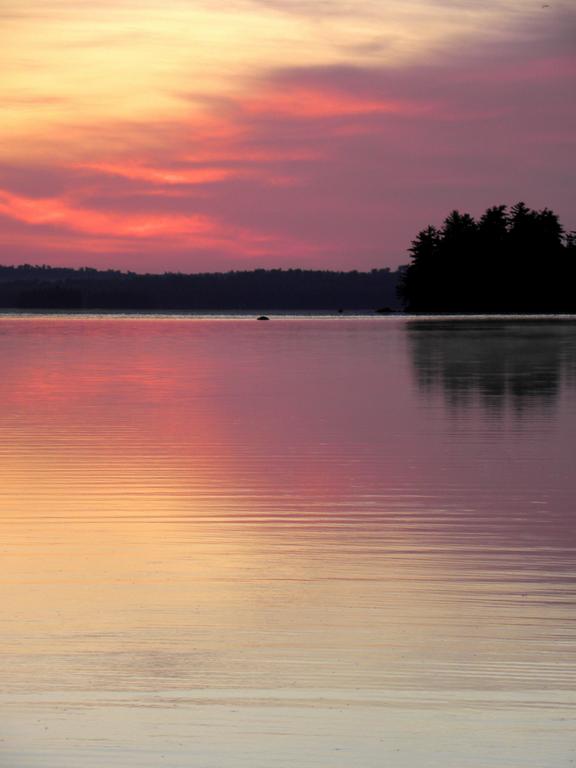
<point x="510" y="260"/>
<point x="513" y="260"/>
<point x="43" y="287"/>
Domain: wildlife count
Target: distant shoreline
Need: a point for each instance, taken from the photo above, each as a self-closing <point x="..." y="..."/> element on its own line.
<point x="277" y="314"/>
<point x="261" y="290"/>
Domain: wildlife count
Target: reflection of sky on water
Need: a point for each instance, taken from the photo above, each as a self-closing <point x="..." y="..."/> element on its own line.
<point x="253" y="511"/>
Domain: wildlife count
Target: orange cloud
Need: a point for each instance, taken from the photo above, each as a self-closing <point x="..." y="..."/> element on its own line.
<point x="59" y="212"/>
<point x="56" y="244"/>
<point x="304" y="102"/>
<point x="142" y="172"/>
<point x="257" y="155"/>
<point x="128" y="231"/>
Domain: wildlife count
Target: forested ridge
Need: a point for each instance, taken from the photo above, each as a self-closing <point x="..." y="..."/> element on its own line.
<point x="44" y="287"/>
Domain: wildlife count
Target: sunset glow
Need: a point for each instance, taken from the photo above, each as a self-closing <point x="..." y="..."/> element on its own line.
<point x="196" y="135"/>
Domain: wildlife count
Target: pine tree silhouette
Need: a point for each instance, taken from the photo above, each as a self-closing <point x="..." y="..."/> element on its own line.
<point x="509" y="261"/>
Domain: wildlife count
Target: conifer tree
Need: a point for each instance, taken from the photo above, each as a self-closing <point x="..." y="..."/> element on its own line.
<point x="516" y="260"/>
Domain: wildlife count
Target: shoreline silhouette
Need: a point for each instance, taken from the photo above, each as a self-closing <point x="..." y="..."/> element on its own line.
<point x="513" y="261"/>
<point x="42" y="287"/>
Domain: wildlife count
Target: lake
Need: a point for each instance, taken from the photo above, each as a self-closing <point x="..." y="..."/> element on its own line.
<point x="312" y="542"/>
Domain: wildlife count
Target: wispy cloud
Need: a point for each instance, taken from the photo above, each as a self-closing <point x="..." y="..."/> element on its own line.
<point x="191" y="161"/>
<point x="170" y="176"/>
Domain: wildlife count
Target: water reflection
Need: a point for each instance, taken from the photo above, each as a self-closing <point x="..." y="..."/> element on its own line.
<point x="517" y="365"/>
<point x="245" y="544"/>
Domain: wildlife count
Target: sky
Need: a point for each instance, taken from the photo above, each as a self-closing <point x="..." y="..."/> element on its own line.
<point x="207" y="135"/>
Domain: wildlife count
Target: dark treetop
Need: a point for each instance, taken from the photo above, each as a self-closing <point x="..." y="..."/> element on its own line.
<point x="30" y="287"/>
<point x="508" y="261"/>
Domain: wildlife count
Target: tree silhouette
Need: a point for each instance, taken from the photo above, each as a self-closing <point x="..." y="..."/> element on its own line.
<point x="509" y="261"/>
<point x="31" y="287"/>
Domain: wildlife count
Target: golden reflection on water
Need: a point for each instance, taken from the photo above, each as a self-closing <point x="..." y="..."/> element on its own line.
<point x="317" y="542"/>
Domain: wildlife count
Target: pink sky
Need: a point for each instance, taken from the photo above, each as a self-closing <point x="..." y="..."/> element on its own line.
<point x="197" y="135"/>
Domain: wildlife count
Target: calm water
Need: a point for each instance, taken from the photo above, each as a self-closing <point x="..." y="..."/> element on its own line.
<point x="296" y="544"/>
